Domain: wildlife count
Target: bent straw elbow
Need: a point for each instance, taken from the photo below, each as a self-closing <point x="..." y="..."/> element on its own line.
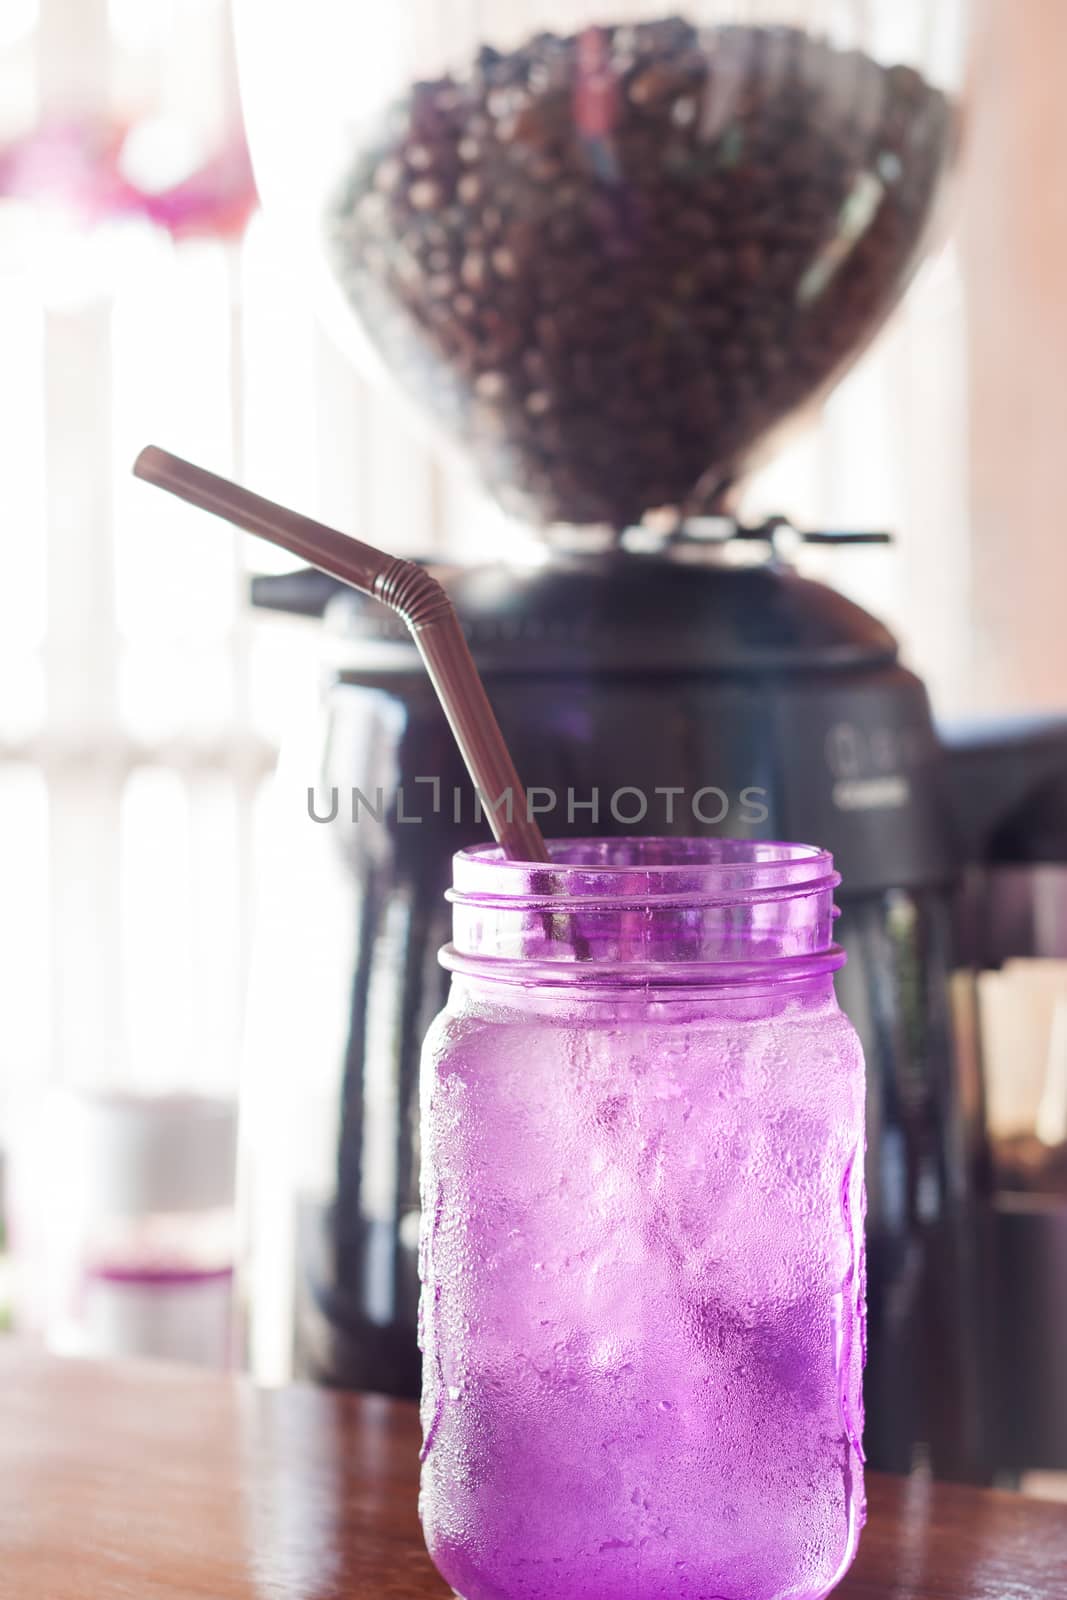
<point x="413" y="594"/>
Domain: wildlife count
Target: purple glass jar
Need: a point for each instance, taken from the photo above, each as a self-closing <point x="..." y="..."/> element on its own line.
<point x="642" y="1310"/>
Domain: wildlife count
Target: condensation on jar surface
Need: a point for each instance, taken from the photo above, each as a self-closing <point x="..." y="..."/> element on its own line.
<point x="642" y="1313"/>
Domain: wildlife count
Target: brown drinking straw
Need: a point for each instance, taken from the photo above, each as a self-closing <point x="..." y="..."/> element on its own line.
<point x="414" y="595"/>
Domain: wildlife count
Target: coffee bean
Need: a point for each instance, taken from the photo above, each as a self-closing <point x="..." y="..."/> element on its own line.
<point x="613" y="314"/>
<point x="750" y="261"/>
<point x="505" y="264"/>
<point x="474" y="270"/>
<point x="372" y="212"/>
<point x="389" y="176"/>
<point x="504" y="336"/>
<point x="426" y="195"/>
<point x="491" y="386"/>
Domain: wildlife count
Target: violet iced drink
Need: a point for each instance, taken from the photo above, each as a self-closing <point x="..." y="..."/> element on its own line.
<point x="642" y="1309"/>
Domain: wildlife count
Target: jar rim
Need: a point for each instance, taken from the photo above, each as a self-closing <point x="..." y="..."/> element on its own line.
<point x="663" y="869"/>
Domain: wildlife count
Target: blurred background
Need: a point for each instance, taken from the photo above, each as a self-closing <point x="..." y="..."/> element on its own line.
<point x="143" y="704"/>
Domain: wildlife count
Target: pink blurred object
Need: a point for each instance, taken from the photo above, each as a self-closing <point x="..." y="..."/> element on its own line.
<point x="78" y="165"/>
<point x="75" y="164"/>
<point x="218" y="198"/>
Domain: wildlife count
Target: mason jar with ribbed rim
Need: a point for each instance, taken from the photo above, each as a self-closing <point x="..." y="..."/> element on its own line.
<point x="642" y="1310"/>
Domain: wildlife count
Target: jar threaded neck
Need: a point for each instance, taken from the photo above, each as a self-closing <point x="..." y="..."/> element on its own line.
<point x="639" y="911"/>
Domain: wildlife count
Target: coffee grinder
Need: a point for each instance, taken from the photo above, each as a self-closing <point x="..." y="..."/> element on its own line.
<point x="609" y="254"/>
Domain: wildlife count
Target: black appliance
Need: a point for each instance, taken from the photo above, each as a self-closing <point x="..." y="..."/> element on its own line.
<point x="694" y="688"/>
<point x="1010" y="789"/>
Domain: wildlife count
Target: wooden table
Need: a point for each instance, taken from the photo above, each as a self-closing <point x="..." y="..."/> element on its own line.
<point x="155" y="1483"/>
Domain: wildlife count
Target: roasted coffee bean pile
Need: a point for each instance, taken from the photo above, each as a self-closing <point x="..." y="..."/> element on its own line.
<point x="612" y="262"/>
